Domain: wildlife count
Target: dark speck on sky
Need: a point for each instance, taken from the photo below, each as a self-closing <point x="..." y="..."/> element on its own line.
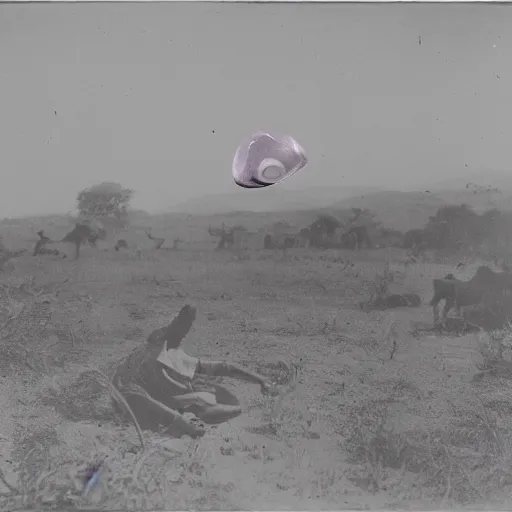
<point x="137" y="110"/>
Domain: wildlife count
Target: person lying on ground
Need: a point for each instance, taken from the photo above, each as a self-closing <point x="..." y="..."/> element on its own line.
<point x="177" y="382"/>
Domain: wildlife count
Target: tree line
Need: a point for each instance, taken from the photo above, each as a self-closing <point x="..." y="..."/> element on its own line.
<point x="455" y="227"/>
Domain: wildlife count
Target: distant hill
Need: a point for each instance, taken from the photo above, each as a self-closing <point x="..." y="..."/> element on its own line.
<point x="271" y="199"/>
<point x="478" y="200"/>
<point x="482" y="177"/>
<point x="481" y="190"/>
<point x="407" y="210"/>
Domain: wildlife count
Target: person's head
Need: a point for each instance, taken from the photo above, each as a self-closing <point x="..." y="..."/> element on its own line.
<point x="176" y="331"/>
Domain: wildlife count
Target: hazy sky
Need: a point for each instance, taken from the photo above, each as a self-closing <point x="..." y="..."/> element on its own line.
<point x="158" y="96"/>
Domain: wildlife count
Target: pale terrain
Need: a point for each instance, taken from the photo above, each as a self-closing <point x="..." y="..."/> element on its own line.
<point x="380" y="418"/>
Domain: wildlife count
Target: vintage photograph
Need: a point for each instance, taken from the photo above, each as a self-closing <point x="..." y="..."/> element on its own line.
<point x="255" y="256"/>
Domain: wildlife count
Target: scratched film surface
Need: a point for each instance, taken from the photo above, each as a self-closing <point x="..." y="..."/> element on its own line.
<point x="255" y="256"/>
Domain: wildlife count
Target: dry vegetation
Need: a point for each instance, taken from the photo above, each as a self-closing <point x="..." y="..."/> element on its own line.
<point x="379" y="416"/>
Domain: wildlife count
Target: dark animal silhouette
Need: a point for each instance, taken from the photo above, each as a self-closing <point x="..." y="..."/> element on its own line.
<point x="289" y="242"/>
<point x="457" y="293"/>
<point x="93" y="238"/>
<point x="281" y="242"/>
<point x="349" y="240"/>
<point x="78" y="236"/>
<point x="82" y="233"/>
<point x="393" y="301"/>
<point x="43" y="240"/>
<point x="300" y="239"/>
<point x="42" y="236"/>
<point x="227" y="237"/>
<point x="158" y="241"/>
<point x="305" y="233"/>
<point x="304" y="237"/>
<point x="95" y="235"/>
<point x="215" y="231"/>
<point x="356" y="237"/>
<point x="51" y="252"/>
<point x="121" y="244"/>
<point x="227" y="240"/>
<point x="321" y="230"/>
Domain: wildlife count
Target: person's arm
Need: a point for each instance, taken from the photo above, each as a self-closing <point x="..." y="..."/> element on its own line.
<point x="176" y="383"/>
<point x="225" y="369"/>
<point x="177" y="329"/>
<point x="176" y="420"/>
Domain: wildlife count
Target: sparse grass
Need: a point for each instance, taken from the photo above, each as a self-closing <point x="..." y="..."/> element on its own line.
<point x="370" y="413"/>
<point x="283" y="412"/>
<point x="466" y="461"/>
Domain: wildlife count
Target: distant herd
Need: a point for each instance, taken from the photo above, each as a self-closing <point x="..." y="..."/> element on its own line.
<point x="83" y="233"/>
<point x="355" y="237"/>
<point x="455" y="293"/>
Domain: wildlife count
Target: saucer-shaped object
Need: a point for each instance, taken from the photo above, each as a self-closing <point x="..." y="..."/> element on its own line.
<point x="265" y="160"/>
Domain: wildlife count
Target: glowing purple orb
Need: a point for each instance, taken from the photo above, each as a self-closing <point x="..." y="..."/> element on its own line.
<point x="265" y="160"/>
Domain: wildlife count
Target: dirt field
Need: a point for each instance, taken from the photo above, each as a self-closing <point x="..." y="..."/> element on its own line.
<point x="382" y="417"/>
